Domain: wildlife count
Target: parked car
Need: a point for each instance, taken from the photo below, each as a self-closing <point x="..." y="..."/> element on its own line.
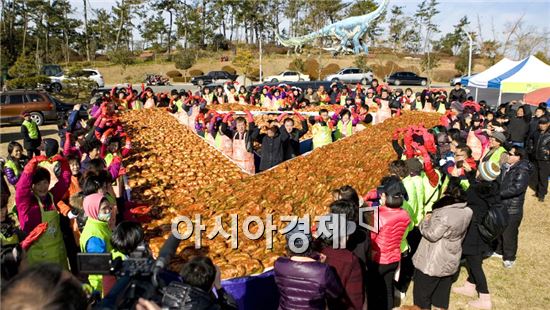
<point x="58" y="82"/>
<point x="351" y="75"/>
<point x="213" y="76"/>
<point x="51" y="70"/>
<point x="303" y="85"/>
<point x="287" y="76"/>
<point x="42" y="106"/>
<point x="406" y="78"/>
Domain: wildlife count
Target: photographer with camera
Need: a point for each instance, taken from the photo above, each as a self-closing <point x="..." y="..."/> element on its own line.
<point x="200" y="277"/>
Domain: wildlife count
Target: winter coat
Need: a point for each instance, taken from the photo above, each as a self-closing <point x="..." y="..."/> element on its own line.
<point x="28" y="209"/>
<point x="513" y="185"/>
<point x="292" y="145"/>
<point x="186" y="297"/>
<point x="539" y="145"/>
<point x="250" y="134"/>
<point x="439" y="251"/>
<point x="306" y="285"/>
<point x="518" y="128"/>
<point x="272" y="150"/>
<point x="457" y="95"/>
<point x="386" y="244"/>
<point x="349" y="271"/>
<point x="480" y="197"/>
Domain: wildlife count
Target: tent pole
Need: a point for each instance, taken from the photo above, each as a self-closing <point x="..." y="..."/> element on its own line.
<point x="476" y="93"/>
<point x="499" y="95"/>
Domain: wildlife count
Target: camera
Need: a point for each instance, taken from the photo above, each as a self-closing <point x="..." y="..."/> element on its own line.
<point x="138" y="276"/>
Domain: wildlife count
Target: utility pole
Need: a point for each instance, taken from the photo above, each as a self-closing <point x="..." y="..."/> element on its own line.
<point x="86" y="30"/>
<point x="260" y="39"/>
<point x="470" y="53"/>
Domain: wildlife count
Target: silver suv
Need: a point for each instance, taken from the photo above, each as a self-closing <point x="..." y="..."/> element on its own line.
<point x="351" y="75"/>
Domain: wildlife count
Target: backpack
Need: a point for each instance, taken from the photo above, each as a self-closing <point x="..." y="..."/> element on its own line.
<point x="494" y="223"/>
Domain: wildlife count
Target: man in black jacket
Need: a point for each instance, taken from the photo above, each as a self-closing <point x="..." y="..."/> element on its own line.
<point x="457" y="94"/>
<point x="513" y="180"/>
<point x="272" y="151"/>
<point x="539" y="145"/>
<point x="200" y="276"/>
<point x="292" y="145"/>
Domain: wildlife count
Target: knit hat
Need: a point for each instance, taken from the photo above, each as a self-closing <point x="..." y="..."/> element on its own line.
<point x="499" y="136"/>
<point x="51" y="147"/>
<point x="489" y="171"/>
<point x="457" y="106"/>
<point x="91" y="205"/>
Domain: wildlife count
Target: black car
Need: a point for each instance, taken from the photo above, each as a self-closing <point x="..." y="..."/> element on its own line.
<point x="213" y="76"/>
<point x="406" y="78"/>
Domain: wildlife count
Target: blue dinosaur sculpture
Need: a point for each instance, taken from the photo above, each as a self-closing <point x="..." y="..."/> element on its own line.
<point x="347" y="32"/>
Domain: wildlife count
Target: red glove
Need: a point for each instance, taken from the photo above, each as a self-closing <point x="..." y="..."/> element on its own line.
<point x="318" y="118"/>
<point x="299" y="116"/>
<point x="249" y="116"/>
<point x="429" y="142"/>
<point x="281" y="117"/>
<point x="227" y="116"/>
<point x="34" y="235"/>
<point x="408" y="140"/>
<point x="396" y="133"/>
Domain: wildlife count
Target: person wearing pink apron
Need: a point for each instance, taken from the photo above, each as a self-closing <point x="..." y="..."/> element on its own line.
<point x="242" y="141"/>
<point x="384" y="112"/>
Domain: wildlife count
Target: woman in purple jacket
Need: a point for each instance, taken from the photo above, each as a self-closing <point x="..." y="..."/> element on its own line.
<point x="303" y="281"/>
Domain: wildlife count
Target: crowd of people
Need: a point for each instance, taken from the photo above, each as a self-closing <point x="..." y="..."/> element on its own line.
<point x="454" y="196"/>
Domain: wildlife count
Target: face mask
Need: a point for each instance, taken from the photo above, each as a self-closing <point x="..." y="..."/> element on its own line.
<point x="104" y="217"/>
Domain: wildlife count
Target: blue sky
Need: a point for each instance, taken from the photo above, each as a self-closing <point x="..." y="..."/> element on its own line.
<point x="499" y="12"/>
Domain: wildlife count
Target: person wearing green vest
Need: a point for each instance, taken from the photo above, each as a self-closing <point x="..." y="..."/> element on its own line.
<point x="322" y="132"/>
<point x="14" y="163"/>
<point x="96" y="235"/>
<point x="344" y="128"/>
<point x="36" y="204"/>
<point x="496" y="149"/>
<point x="31" y="135"/>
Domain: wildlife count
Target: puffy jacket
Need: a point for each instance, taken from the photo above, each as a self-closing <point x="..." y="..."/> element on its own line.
<point x="457" y="95"/>
<point x="292" y="145"/>
<point x="386" y="244"/>
<point x="439" y="251"/>
<point x="513" y="185"/>
<point x="186" y="297"/>
<point x="350" y="272"/>
<point x="272" y="150"/>
<point x="518" y="127"/>
<point x="540" y="145"/>
<point x="306" y="285"/>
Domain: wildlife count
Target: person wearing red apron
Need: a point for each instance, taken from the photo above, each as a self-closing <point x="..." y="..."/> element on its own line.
<point x="242" y="139"/>
<point x="36" y="204"/>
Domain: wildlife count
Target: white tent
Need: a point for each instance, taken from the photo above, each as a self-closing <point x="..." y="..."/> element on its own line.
<point x="481" y="80"/>
<point x="529" y="75"/>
